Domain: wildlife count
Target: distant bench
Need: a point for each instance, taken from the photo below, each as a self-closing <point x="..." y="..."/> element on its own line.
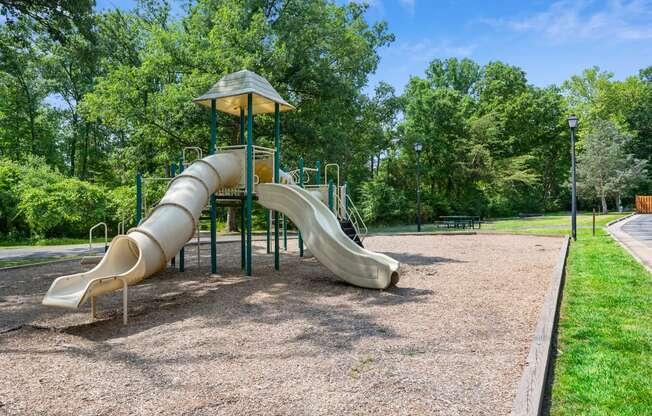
<point x="530" y="214"/>
<point x="459" y="221"/>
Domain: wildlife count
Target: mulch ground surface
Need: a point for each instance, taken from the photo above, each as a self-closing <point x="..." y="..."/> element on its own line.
<point x="450" y="339"/>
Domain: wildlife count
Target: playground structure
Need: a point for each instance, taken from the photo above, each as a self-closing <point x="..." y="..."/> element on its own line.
<point x="328" y="223"/>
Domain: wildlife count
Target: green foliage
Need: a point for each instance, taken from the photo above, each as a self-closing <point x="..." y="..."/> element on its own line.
<point x="100" y="96"/>
<point x="382" y="203"/>
<point x="604" y="169"/>
<point x="45" y="203"/>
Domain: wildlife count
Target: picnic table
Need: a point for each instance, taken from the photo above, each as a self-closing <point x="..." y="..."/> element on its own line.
<point x="460" y="221"/>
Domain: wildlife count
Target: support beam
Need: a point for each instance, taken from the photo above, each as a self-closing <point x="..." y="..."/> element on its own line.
<point x="345" y="200"/>
<point x="182" y="253"/>
<point x="318" y="176"/>
<point x="173" y="172"/>
<point x="277" y="179"/>
<point x="139" y="197"/>
<point x="211" y="151"/>
<point x="285" y="233"/>
<point x="330" y="195"/>
<point x="243" y="226"/>
<point x="250" y="180"/>
<point x="268" y="231"/>
<point x="301" y="185"/>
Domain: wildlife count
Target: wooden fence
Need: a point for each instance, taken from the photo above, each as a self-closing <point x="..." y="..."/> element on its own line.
<point x="644" y="204"/>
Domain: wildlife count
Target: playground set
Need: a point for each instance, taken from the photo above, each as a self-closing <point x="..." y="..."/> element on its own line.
<point x="327" y="221"/>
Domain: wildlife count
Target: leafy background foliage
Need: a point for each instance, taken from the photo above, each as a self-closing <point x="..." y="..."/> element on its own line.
<point x="88" y="99"/>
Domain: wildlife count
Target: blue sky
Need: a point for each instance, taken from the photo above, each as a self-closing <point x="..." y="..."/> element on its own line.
<point x="550" y="40"/>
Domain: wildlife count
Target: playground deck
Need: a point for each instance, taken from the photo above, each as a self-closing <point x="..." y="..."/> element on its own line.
<point x="452" y="338"/>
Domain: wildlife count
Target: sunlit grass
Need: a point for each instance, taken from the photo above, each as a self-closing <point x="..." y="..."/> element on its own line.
<point x="604" y="364"/>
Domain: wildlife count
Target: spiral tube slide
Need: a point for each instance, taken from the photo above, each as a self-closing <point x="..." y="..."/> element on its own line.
<point x="147" y="248"/>
<point x="323" y="235"/>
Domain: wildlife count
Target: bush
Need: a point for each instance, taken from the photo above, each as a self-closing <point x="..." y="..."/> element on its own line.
<point x="38" y="202"/>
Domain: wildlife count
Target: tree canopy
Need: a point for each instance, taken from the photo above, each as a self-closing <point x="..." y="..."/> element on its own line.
<point x="101" y="95"/>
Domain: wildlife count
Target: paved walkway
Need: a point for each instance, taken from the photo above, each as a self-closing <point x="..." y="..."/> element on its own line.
<point x="20" y="253"/>
<point x="635" y="234"/>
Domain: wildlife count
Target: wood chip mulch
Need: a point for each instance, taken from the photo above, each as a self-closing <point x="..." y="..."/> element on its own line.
<point x="450" y="339"/>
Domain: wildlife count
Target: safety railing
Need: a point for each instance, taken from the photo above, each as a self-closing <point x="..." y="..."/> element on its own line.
<point x="260" y="153"/>
<point x="198" y="155"/>
<point x="354" y="215"/>
<point x="90" y="237"/>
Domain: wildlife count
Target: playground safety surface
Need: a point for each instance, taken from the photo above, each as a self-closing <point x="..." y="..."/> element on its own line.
<point x="450" y="339"/>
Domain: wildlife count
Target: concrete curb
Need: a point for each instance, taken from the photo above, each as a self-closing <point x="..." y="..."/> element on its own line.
<point x="531" y="389"/>
<point x="610" y="223"/>
<point x="631" y="252"/>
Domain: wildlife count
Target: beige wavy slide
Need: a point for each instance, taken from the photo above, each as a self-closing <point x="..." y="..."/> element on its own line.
<point x="323" y="236"/>
<point x="147" y="248"/>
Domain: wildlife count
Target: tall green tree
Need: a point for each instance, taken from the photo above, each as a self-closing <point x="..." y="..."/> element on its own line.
<point x="604" y="168"/>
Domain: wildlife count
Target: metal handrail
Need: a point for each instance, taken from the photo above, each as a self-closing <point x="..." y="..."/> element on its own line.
<point x="90" y="237"/>
<point x="121" y="226"/>
<point x="197" y="150"/>
<point x="356" y="219"/>
<point x="326" y="173"/>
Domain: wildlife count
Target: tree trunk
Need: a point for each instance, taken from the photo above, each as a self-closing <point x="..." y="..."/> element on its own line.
<point x="84" y="172"/>
<point x="231" y="225"/>
<point x="73" y="143"/>
<point x="603" y="197"/>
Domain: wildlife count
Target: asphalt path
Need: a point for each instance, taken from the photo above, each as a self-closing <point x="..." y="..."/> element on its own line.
<point x="29" y="252"/>
<point x="640" y="228"/>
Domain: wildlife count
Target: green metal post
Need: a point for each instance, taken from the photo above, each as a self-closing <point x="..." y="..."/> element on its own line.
<point x="139" y="197"/>
<point x="182" y="253"/>
<point x="301" y="185"/>
<point x="318" y="176"/>
<point x="330" y="194"/>
<point x="285" y="233"/>
<point x="173" y="172"/>
<point x="268" y="232"/>
<point x="211" y="151"/>
<point x="250" y="179"/>
<point x="243" y="226"/>
<point x="345" y="200"/>
<point x="277" y="179"/>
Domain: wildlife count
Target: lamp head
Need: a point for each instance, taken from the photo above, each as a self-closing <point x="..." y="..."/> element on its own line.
<point x="418" y="147"/>
<point x="572" y="121"/>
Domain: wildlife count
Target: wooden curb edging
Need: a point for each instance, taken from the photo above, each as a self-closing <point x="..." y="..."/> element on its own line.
<point x="531" y="389"/>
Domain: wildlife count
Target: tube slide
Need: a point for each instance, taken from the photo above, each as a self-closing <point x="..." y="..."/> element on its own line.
<point x="147" y="248"/>
<point x="323" y="235"/>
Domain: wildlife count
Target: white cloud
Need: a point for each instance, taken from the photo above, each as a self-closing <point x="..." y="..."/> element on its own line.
<point x="409" y="5"/>
<point x="425" y="50"/>
<point x="567" y="20"/>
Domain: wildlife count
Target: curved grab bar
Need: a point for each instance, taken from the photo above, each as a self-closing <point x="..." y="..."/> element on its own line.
<point x="90" y="237"/>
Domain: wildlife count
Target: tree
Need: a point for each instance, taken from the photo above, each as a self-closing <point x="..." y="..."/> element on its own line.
<point x="604" y="168"/>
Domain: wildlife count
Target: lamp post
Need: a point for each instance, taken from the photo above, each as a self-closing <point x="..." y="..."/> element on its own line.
<point x="572" y="124"/>
<point x="418" y="147"/>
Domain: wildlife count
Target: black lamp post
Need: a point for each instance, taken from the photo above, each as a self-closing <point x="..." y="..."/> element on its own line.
<point x="418" y="147"/>
<point x="572" y="123"/>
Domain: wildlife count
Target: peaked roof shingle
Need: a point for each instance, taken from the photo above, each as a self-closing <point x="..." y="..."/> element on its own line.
<point x="231" y="94"/>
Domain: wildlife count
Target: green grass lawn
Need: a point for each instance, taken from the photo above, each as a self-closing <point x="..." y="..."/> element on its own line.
<point x="555" y="223"/>
<point x="604" y="361"/>
<point x="35" y="260"/>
